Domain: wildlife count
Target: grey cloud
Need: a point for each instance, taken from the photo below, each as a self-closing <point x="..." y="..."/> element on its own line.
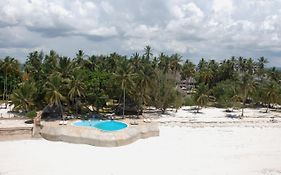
<point x="210" y="29"/>
<point x="15" y="37"/>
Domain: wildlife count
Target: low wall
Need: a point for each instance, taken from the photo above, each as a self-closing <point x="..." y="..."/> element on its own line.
<point x="95" y="137"/>
<point x="15" y="131"/>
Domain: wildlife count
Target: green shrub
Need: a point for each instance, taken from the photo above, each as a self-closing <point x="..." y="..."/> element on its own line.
<point x="189" y="101"/>
<point x="31" y="114"/>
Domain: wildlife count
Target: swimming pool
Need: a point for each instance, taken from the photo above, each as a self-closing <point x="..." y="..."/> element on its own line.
<point x="104" y="125"/>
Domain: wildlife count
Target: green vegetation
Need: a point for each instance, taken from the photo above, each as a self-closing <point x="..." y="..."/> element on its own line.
<point x="103" y="82"/>
<point x="31" y="114"/>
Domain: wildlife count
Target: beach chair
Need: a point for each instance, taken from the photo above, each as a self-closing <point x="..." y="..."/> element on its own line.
<point x="146" y="120"/>
<point x="229" y="110"/>
<point x="134" y="123"/>
<point x="233" y="116"/>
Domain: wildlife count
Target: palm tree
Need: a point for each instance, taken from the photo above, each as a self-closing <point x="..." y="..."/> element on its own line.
<point x="50" y="63"/>
<point x="112" y="62"/>
<point x="207" y="76"/>
<point x="228" y="70"/>
<point x="175" y="63"/>
<point x="242" y="64"/>
<point x="247" y="86"/>
<point x="136" y="62"/>
<point x="65" y="67"/>
<point x="274" y="74"/>
<point x="272" y="93"/>
<point x="202" y="100"/>
<point x="9" y="66"/>
<point x="24" y="96"/>
<point x="202" y="64"/>
<point x="76" y="87"/>
<point x="164" y="63"/>
<point x="79" y="59"/>
<point x="54" y="91"/>
<point x="91" y="63"/>
<point x="145" y="77"/>
<point x="33" y="65"/>
<point x="250" y="66"/>
<point x="147" y="53"/>
<point x="188" y="70"/>
<point x="261" y="66"/>
<point x="125" y="76"/>
<point x="201" y="96"/>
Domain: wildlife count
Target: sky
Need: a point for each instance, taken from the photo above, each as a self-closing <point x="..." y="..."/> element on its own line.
<point x="212" y="29"/>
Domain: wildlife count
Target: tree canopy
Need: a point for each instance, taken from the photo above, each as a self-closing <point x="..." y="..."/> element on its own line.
<point x="143" y="79"/>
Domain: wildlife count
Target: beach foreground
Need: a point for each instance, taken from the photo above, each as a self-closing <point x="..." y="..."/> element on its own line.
<point x="178" y="150"/>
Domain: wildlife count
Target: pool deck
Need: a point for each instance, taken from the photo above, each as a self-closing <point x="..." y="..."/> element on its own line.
<point x="92" y="136"/>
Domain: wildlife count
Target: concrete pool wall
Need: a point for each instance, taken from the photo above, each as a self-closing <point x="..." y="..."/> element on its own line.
<point x="95" y="137"/>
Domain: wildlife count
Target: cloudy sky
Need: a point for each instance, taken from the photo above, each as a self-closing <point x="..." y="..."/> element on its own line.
<point x="193" y="28"/>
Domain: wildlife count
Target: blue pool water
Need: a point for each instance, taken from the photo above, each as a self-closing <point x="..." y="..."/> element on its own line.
<point x="107" y="125"/>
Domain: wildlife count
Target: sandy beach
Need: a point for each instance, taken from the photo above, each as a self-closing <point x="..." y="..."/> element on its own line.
<point x="177" y="151"/>
<point x="205" y="143"/>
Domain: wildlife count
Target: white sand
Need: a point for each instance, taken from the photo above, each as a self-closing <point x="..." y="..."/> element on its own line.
<point x="14" y="123"/>
<point x="178" y="151"/>
<point x="217" y="115"/>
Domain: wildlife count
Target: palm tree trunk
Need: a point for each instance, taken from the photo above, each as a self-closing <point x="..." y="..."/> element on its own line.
<point x="267" y="107"/>
<point x="244" y="102"/>
<point x="6" y="87"/>
<point x="61" y="110"/>
<point x="5" y="84"/>
<point x="4" y="91"/>
<point x="76" y="107"/>
<point x="243" y="106"/>
<point x="124" y="103"/>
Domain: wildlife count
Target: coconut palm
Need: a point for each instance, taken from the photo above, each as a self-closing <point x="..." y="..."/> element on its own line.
<point x="50" y="62"/>
<point x="261" y="66"/>
<point x="242" y="64"/>
<point x="175" y="63"/>
<point x="145" y="77"/>
<point x="124" y="76"/>
<point x="207" y="75"/>
<point x="274" y="74"/>
<point x="247" y="86"/>
<point x="9" y="66"/>
<point x="202" y="100"/>
<point x="33" y="65"/>
<point x="201" y="96"/>
<point x="164" y="63"/>
<point x="136" y="62"/>
<point x="54" y="91"/>
<point x="24" y="96"/>
<point x="250" y="66"/>
<point x="91" y="63"/>
<point x="76" y="87"/>
<point x="272" y="93"/>
<point x="188" y="70"/>
<point x="112" y="62"/>
<point x="65" y="67"/>
<point x="147" y="53"/>
<point x="79" y="59"/>
<point x="202" y="64"/>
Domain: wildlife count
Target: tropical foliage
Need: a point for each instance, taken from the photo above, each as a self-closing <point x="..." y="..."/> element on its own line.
<point x="90" y="82"/>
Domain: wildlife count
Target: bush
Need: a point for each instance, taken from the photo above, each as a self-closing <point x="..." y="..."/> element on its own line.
<point x="189" y="101"/>
<point x="31" y="114"/>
